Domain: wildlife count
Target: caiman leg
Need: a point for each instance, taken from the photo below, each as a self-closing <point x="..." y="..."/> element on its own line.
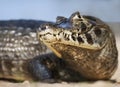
<point x="49" y="68"/>
<point x="41" y="67"/>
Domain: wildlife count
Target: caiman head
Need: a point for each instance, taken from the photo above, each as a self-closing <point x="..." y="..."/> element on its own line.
<point x="81" y="33"/>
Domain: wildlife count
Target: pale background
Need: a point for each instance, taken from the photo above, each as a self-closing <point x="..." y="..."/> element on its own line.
<point x="108" y="10"/>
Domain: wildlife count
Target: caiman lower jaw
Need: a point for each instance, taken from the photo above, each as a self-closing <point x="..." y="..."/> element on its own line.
<point x="48" y="44"/>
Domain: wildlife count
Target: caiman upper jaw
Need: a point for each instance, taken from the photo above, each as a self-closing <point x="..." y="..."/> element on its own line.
<point x="48" y="32"/>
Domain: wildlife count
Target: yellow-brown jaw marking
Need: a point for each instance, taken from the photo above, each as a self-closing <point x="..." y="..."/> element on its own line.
<point x="92" y="39"/>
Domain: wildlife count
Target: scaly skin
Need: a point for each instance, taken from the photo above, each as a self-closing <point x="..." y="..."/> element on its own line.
<point x="17" y="48"/>
<point x="88" y="46"/>
<point x="23" y="57"/>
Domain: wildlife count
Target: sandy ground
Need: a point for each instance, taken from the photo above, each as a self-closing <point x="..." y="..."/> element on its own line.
<point x="116" y="76"/>
<point x="38" y="84"/>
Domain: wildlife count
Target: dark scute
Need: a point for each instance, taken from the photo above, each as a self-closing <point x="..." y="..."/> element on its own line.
<point x="89" y="38"/>
<point x="73" y="38"/>
<point x="97" y="32"/>
<point x="54" y="34"/>
<point x="65" y="35"/>
<point x="80" y="39"/>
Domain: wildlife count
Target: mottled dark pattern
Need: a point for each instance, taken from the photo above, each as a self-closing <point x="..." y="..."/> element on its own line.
<point x="83" y="27"/>
<point x="89" y="38"/>
<point x="80" y="40"/>
<point x="97" y="31"/>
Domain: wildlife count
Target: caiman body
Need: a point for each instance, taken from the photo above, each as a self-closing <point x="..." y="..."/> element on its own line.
<point x="85" y="47"/>
<point x="24" y="57"/>
<point x="18" y="46"/>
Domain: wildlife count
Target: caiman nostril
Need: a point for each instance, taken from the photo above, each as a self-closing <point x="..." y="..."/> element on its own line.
<point x="40" y="35"/>
<point x="43" y="28"/>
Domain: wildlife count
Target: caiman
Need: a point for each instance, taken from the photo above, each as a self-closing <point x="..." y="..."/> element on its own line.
<point x="24" y="57"/>
<point x="87" y="45"/>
